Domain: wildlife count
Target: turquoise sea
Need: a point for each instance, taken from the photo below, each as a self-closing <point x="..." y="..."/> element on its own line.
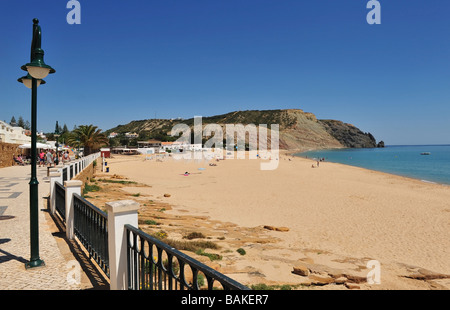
<point x="404" y="160"/>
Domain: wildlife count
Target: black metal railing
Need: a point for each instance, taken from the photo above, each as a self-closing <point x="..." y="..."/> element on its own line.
<point x="91" y="229"/>
<point x="154" y="265"/>
<point x="64" y="174"/>
<point x="60" y="200"/>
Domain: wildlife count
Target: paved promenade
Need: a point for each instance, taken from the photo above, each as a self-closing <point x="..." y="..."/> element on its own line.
<point x="66" y="266"/>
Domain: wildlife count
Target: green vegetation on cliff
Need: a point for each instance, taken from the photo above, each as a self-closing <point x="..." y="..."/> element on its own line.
<point x="298" y="130"/>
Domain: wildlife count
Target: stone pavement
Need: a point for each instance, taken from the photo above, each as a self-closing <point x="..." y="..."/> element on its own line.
<point x="66" y="265"/>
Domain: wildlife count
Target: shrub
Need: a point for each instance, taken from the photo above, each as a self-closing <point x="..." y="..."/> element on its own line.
<point x="261" y="287"/>
<point x="241" y="251"/>
<point x="211" y="256"/>
<point x="117" y="181"/>
<point x="192" y="246"/>
<point x="90" y="188"/>
<point x="151" y="222"/>
<point x="161" y="234"/>
<point x="194" y="235"/>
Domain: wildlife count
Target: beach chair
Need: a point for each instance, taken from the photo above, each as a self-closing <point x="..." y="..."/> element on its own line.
<point x="17" y="161"/>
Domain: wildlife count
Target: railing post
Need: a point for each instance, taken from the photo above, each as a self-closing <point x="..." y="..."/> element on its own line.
<point x="64" y="168"/>
<point x="72" y="187"/>
<point x="72" y="170"/>
<point x="55" y="175"/>
<point x="120" y="213"/>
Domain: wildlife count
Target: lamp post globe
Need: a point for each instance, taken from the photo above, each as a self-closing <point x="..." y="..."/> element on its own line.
<point x="27" y="80"/>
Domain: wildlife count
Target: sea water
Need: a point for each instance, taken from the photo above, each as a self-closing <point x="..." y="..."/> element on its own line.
<point x="404" y="160"/>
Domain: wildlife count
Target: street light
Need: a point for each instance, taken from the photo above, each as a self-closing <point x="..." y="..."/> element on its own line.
<point x="57" y="136"/>
<point x="37" y="67"/>
<point x="37" y="71"/>
<point x="27" y="81"/>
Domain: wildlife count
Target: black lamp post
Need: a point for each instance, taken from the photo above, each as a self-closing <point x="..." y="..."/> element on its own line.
<point x="78" y="146"/>
<point x="57" y="136"/>
<point x="37" y="70"/>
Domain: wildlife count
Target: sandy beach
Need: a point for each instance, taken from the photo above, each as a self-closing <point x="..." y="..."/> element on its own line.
<point x="330" y="220"/>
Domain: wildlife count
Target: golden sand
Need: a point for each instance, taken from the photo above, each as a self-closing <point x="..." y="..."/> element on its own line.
<point x="334" y="217"/>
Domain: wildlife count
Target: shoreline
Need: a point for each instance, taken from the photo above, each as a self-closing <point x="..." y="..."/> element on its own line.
<point x="370" y="169"/>
<point x="383" y="172"/>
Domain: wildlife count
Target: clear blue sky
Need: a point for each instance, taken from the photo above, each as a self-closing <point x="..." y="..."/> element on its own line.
<point x="135" y="59"/>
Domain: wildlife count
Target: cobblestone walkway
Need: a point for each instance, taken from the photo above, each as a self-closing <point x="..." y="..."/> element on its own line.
<point x="61" y="270"/>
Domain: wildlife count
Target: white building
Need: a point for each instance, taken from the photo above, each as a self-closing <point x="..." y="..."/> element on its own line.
<point x="131" y="135"/>
<point x="112" y="135"/>
<point x="14" y="135"/>
<point x="195" y="147"/>
<point x="173" y="146"/>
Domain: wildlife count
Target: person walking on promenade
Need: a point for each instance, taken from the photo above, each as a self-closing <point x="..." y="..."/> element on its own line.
<point x="66" y="157"/>
<point x="49" y="158"/>
<point x="55" y="157"/>
<point x="41" y="159"/>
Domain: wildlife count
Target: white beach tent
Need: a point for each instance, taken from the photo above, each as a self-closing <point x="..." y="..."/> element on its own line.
<point x="38" y="146"/>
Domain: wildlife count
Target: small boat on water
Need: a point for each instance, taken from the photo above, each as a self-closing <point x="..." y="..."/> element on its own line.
<point x="425" y="153"/>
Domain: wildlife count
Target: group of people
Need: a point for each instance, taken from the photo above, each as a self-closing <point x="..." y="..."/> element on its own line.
<point x="50" y="158"/>
<point x="20" y="160"/>
<point x="320" y="159"/>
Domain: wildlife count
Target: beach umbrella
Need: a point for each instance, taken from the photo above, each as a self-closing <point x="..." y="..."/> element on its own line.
<point x="38" y="146"/>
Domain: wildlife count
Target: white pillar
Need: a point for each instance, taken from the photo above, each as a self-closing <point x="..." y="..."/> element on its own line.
<point x="72" y="187"/>
<point x="120" y="213"/>
<point x="55" y="176"/>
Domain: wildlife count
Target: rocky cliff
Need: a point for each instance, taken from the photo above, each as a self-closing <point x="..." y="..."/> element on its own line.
<point x="298" y="130"/>
<point x="348" y="135"/>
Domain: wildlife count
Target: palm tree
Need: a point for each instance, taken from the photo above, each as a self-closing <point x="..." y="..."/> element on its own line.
<point x="88" y="136"/>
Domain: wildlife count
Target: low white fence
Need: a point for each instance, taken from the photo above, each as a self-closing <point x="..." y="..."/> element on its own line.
<point x="118" y="215"/>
